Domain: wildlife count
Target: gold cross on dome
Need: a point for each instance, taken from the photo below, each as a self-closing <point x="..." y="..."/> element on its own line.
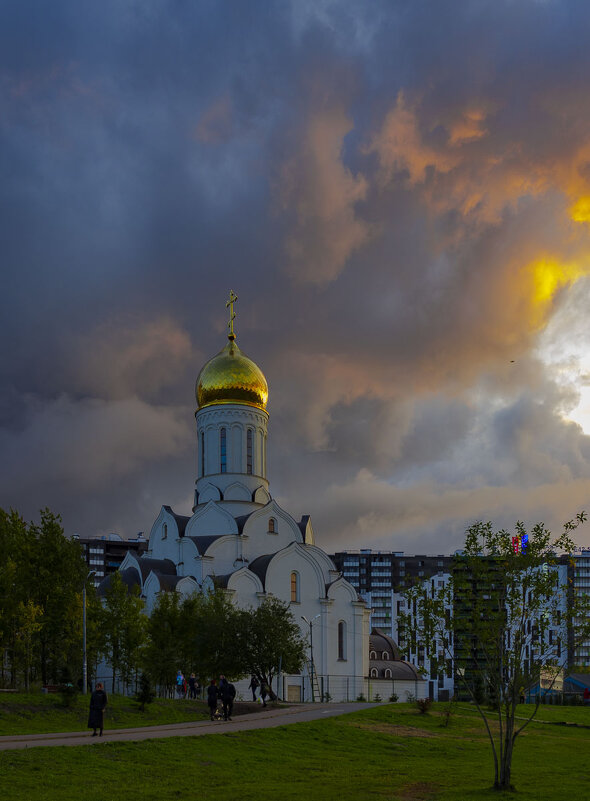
<point x="232" y="314"/>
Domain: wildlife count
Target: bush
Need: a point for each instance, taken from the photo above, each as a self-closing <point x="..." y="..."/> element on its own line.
<point x="423" y="705"/>
<point x="361" y="698"/>
<point x="326" y="698"/>
<point x="377" y="698"/>
<point x="393" y="698"/>
<point x="145" y="694"/>
<point x="67" y="690"/>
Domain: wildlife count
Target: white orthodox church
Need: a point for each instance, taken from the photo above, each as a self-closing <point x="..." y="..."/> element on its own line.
<point x="240" y="539"/>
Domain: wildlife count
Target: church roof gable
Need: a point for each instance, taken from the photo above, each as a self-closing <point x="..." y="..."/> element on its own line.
<point x="181" y="520"/>
<point x="148" y="563"/>
<point x="202" y="543"/>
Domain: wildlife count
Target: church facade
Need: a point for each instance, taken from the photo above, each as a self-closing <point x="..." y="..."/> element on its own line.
<point x="238" y="537"/>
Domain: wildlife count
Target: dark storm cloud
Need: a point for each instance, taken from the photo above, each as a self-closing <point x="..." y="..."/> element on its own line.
<point x="377" y="183"/>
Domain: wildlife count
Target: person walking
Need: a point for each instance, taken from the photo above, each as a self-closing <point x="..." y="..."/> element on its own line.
<point x="264" y="691"/>
<point x="192" y="686"/>
<point x="98" y="702"/>
<point x="228" y="693"/>
<point x="212" y="696"/>
<point x="253" y="686"/>
<point x="180" y="685"/>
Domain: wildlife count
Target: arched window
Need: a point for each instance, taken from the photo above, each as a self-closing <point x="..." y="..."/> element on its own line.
<point x="164" y="531"/>
<point x="272" y="525"/>
<point x="373" y="673"/>
<point x="341" y="640"/>
<point x="373" y="655"/>
<point x="202" y="453"/>
<point x="295" y="587"/>
<point x="387" y="673"/>
<point x="223" y="451"/>
<point x="385" y="656"/>
<point x="249" y="452"/>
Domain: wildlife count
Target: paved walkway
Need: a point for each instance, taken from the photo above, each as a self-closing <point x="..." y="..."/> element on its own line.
<point x="255" y="720"/>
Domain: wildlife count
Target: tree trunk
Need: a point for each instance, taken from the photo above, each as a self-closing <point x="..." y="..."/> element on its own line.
<point x="506" y="762"/>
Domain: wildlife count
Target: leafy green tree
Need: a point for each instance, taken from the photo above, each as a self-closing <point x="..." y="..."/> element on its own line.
<point x="124" y="628"/>
<point x="271" y="640"/>
<point x="13" y="591"/>
<point x="28" y="623"/>
<point x="509" y="604"/>
<point x="56" y="570"/>
<point x="41" y="574"/>
<point x="166" y="634"/>
<point x="212" y="636"/>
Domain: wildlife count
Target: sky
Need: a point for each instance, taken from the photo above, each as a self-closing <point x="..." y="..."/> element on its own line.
<point x="398" y="193"/>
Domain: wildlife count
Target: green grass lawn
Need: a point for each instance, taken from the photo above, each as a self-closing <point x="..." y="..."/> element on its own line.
<point x="36" y="713"/>
<point x="387" y="752"/>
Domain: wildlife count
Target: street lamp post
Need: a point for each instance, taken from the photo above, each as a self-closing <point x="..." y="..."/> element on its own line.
<point x="310" y="624"/>
<point x="84" y="658"/>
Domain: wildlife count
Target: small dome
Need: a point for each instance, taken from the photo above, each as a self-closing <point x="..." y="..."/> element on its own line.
<point x="231" y="377"/>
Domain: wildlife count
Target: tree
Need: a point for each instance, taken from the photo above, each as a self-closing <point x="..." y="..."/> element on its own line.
<point x="512" y="614"/>
<point x="13" y="592"/>
<point x="123" y="625"/>
<point x="55" y="570"/>
<point x="41" y="575"/>
<point x="271" y="641"/>
<point x="212" y="637"/>
<point x="166" y="629"/>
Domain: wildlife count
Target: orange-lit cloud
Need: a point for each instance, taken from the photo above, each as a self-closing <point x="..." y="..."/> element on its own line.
<point x="400" y="146"/>
<point x="469" y="128"/>
<point x="321" y="194"/>
<point x="125" y="358"/>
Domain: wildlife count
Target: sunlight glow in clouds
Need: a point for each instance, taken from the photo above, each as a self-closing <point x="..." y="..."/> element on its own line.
<point x="565" y="348"/>
<point x="580" y="211"/>
<point x="550" y="275"/>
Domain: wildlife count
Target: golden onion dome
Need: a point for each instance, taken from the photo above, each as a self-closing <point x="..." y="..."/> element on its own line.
<point x="231" y="377"/>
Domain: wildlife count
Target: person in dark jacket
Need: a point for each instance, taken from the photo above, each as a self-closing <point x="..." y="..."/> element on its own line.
<point x="253" y="686"/>
<point x="212" y="696"/>
<point x="264" y="691"/>
<point x="98" y="702"/>
<point x="227" y="691"/>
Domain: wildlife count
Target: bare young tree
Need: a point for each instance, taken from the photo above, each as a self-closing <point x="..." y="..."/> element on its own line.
<point x="513" y="612"/>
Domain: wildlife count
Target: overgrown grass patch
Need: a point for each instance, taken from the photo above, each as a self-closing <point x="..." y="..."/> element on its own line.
<point x="380" y="753"/>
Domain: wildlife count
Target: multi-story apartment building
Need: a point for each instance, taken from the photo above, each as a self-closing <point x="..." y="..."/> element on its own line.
<point x="579" y="573"/>
<point x="378" y="575"/>
<point x="105" y="554"/>
<point x="381" y="578"/>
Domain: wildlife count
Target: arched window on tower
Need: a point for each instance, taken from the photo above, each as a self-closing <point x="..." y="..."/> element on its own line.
<point x="164" y="531"/>
<point x="295" y="587"/>
<point x="342" y="641"/>
<point x="387" y="673"/>
<point x="202" y="453"/>
<point x="223" y="451"/>
<point x="373" y="673"/>
<point x="272" y="525"/>
<point x="249" y="452"/>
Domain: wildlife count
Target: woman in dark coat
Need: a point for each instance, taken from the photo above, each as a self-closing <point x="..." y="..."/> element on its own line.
<point x="98" y="702"/>
<point x="212" y="696"/>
